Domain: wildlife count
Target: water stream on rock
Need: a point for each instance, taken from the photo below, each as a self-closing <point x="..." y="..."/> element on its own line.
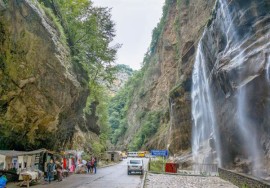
<point x="268" y="69"/>
<point x="172" y="103"/>
<point x="246" y="127"/>
<point x="205" y="134"/>
<point x="205" y="139"/>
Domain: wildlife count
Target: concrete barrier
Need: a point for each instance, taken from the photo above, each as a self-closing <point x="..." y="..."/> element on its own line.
<point x="242" y="180"/>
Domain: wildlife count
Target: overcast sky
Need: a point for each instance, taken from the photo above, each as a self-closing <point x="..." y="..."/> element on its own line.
<point x="135" y="20"/>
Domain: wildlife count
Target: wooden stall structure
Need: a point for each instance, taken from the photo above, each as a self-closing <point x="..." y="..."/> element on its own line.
<point x="113" y="156"/>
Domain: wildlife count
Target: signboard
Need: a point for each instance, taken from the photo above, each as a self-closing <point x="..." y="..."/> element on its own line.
<point x="163" y="153"/>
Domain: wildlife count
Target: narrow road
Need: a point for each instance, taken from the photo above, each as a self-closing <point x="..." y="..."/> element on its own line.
<point x="108" y="177"/>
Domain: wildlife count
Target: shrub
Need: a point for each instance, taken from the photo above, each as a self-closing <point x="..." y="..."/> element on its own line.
<point x="157" y="165"/>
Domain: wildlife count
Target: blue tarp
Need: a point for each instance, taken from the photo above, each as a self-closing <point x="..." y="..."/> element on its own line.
<point x="3" y="181"/>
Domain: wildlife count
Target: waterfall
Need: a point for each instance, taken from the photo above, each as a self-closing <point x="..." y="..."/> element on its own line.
<point x="206" y="147"/>
<point x="172" y="103"/>
<point x="205" y="139"/>
<point x="246" y="126"/>
<point x="268" y="69"/>
<point x="248" y="133"/>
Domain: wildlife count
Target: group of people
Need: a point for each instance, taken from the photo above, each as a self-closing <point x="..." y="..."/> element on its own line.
<point x="51" y="166"/>
<point x="92" y="165"/>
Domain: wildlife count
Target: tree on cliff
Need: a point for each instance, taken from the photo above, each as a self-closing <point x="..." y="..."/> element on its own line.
<point x="90" y="31"/>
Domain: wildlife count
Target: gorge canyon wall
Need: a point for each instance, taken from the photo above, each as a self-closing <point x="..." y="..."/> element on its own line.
<point x="233" y="40"/>
<point x="42" y="95"/>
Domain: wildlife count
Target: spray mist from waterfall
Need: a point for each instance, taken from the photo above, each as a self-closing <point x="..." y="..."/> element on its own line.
<point x="248" y="133"/>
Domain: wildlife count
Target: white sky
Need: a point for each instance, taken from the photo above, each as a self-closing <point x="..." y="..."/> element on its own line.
<point x="135" y="20"/>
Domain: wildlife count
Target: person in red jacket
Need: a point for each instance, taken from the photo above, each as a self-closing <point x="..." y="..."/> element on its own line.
<point x="92" y="164"/>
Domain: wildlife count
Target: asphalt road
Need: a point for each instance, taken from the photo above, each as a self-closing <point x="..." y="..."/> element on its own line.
<point x="108" y="177"/>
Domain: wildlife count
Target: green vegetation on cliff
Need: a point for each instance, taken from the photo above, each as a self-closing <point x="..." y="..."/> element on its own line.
<point x="149" y="125"/>
<point x="119" y="105"/>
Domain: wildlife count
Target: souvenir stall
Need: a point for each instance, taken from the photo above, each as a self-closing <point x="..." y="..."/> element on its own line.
<point x="7" y="159"/>
<point x="21" y="163"/>
<point x="69" y="160"/>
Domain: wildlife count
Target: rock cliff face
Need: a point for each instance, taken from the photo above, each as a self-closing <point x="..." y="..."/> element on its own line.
<point x="234" y="46"/>
<point x="41" y="99"/>
<point x="166" y="84"/>
<point x="193" y="16"/>
<point x="236" y="50"/>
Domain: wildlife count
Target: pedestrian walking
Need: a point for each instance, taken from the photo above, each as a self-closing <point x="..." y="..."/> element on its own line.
<point x="92" y="164"/>
<point x="59" y="171"/>
<point x="95" y="165"/>
<point x="88" y="165"/>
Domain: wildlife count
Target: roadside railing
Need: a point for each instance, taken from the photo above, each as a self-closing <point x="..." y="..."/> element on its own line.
<point x="203" y="169"/>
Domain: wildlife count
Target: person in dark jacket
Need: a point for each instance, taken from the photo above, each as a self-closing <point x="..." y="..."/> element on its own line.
<point x="88" y="165"/>
<point x="50" y="168"/>
<point x="95" y="164"/>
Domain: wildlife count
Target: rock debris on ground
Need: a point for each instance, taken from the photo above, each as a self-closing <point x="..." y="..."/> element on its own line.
<point x="171" y="181"/>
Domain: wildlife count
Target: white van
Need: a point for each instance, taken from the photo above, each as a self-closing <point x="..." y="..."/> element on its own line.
<point x="135" y="165"/>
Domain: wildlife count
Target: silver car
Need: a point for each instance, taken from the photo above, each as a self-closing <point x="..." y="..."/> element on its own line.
<point x="135" y="165"/>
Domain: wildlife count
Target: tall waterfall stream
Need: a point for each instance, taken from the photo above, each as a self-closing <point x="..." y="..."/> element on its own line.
<point x="206" y="146"/>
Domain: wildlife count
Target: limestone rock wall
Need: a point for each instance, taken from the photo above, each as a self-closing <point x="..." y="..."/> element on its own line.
<point x="41" y="99"/>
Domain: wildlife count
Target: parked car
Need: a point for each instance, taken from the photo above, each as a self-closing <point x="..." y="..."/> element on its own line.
<point x="135" y="165"/>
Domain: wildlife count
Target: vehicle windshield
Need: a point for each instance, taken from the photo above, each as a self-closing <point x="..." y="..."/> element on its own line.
<point x="135" y="162"/>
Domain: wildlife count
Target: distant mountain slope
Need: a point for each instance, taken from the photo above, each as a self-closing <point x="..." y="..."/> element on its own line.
<point x="123" y="74"/>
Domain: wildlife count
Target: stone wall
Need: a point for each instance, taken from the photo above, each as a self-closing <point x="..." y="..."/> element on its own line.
<point x="242" y="180"/>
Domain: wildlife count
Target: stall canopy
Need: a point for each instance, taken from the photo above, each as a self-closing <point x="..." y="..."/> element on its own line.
<point x="12" y="153"/>
<point x="19" y="159"/>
